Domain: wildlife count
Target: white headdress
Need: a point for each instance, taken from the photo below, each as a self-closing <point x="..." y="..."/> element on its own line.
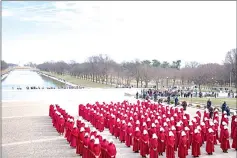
<point x="186" y="128"/>
<point x="171" y="133"/>
<point x="82" y="129"/>
<point x="154" y="136"/>
<point x="183" y="133"/>
<point x="97" y="141"/>
<point x="145" y="132"/>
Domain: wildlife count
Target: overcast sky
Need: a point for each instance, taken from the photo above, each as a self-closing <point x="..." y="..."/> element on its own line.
<point x="44" y="31"/>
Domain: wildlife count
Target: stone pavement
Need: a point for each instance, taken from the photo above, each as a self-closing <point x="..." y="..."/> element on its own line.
<point x="27" y="132"/>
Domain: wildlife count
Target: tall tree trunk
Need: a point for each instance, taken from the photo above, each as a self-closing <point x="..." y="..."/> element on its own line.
<point x="146" y="84"/>
<point x="137" y="80"/>
<point x="157" y="84"/>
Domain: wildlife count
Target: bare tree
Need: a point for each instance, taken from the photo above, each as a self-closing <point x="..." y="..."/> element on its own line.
<point x="192" y="64"/>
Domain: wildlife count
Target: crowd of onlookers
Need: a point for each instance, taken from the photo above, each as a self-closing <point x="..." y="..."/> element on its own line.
<point x="38" y="87"/>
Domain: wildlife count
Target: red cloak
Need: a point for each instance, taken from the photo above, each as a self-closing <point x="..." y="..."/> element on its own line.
<point x="111" y="151"/>
<point x="170" y="147"/>
<point x="183" y="148"/>
<point x="210" y="143"/>
<point x="144" y="145"/>
<point x="196" y="144"/>
<point x="136" y="140"/>
<point x="225" y="143"/>
<point x="153" y="145"/>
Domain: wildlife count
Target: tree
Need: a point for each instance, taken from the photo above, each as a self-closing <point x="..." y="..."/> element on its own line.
<point x="165" y="64"/>
<point x="192" y="64"/>
<point x="158" y="74"/>
<point x="146" y="73"/>
<point x="101" y="68"/>
<point x="230" y="62"/>
<point x="4" y="65"/>
<point x="156" y="63"/>
<point x="176" y="64"/>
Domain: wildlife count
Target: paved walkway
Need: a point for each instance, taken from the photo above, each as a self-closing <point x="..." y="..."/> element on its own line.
<point x="27" y="132"/>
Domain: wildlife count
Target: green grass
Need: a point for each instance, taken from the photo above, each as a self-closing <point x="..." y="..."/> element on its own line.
<point x="231" y="102"/>
<point x="80" y="82"/>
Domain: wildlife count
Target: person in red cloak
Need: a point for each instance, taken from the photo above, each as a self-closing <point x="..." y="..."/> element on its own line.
<point x="153" y="146"/>
<point x="80" y="140"/>
<point x="170" y="144"/>
<point x="186" y="130"/>
<point x="51" y="107"/>
<point x="112" y="122"/>
<point x="111" y="150"/>
<point x="172" y="122"/>
<point x="104" y="145"/>
<point x="70" y="127"/>
<point x="234" y="143"/>
<point x="173" y="129"/>
<point x="196" y="143"/>
<point x="225" y="119"/>
<point x="185" y="121"/>
<point x="225" y="144"/>
<point x="96" y="150"/>
<point x="183" y="148"/>
<point x="178" y="134"/>
<point x="136" y="140"/>
<point x="233" y="125"/>
<point x="199" y="113"/>
<point x="191" y="130"/>
<point x="128" y="135"/>
<point x="221" y="130"/>
<point x="86" y="140"/>
<point x="61" y="125"/>
<point x="161" y="141"/>
<point x="144" y="144"/>
<point x="101" y="123"/>
<point x="210" y="142"/>
<point x="122" y="132"/>
<point x="117" y="128"/>
<point x="90" y="146"/>
<point x="74" y="136"/>
<point x="216" y="126"/>
<point x="152" y="129"/>
<point x="144" y="126"/>
<point x="203" y="132"/>
<point x="66" y="127"/>
<point x="87" y="128"/>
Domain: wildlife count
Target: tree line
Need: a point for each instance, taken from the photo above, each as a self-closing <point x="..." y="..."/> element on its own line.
<point x="102" y="69"/>
<point x="5" y="65"/>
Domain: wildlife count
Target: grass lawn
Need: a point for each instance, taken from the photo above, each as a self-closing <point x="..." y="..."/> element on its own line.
<point x="231" y="102"/>
<point x="77" y="81"/>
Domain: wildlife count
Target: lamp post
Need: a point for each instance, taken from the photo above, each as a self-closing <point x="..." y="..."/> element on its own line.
<point x="167" y="81"/>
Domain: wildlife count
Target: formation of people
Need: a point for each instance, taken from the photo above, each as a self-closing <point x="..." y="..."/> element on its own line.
<point x="88" y="142"/>
<point x="154" y="129"/>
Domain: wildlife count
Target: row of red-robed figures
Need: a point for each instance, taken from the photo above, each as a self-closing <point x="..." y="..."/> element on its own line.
<point x="88" y="144"/>
<point x="224" y="134"/>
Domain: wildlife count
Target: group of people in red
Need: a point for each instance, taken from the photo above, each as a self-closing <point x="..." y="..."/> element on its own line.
<point x="153" y="129"/>
<point x="88" y="143"/>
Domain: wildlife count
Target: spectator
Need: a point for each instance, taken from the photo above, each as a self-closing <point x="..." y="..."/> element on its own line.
<point x="208" y="103"/>
<point x="223" y="107"/>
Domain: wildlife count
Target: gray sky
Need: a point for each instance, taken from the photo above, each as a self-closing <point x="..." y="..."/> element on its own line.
<point x="43" y="31"/>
